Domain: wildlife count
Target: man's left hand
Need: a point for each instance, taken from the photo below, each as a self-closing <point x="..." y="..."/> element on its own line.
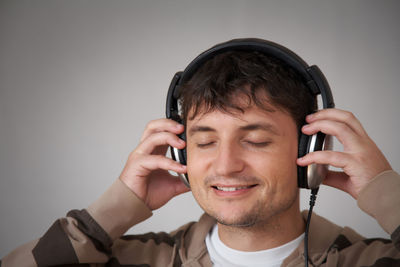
<point x="361" y="160"/>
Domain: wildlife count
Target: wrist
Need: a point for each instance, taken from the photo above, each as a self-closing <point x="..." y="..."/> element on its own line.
<point x="380" y="199"/>
<point x="118" y="209"/>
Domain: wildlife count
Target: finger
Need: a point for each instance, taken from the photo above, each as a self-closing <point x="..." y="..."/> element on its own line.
<point x="162" y="125"/>
<point x="341" y="131"/>
<point x="150" y="163"/>
<point x="162" y="190"/>
<point x="148" y="145"/>
<point x="340" y="116"/>
<point x="339" y="180"/>
<point x="336" y="179"/>
<point x="332" y="158"/>
<point x="179" y="187"/>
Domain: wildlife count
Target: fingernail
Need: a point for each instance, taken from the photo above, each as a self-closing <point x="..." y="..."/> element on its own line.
<point x="310" y="117"/>
<point x="300" y="159"/>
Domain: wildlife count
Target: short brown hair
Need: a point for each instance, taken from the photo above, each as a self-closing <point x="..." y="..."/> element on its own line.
<point x="219" y="80"/>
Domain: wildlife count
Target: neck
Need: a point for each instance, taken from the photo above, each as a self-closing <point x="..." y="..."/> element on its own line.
<point x="273" y="232"/>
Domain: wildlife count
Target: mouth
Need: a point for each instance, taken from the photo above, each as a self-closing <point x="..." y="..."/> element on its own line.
<point x="232" y="188"/>
<point x="232" y="191"/>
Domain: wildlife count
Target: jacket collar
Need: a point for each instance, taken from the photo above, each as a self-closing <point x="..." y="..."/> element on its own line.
<point x="193" y="251"/>
<point x="322" y="235"/>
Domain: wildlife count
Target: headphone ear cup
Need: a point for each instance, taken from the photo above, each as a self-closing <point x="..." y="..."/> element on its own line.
<point x="179" y="155"/>
<point x="183" y="160"/>
<point x="304" y="141"/>
<point x="312" y="176"/>
<point x="183" y="157"/>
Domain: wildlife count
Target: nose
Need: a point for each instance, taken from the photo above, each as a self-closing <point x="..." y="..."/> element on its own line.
<point x="228" y="159"/>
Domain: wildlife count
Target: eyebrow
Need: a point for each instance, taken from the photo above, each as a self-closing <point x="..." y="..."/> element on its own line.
<point x="260" y="126"/>
<point x="249" y="127"/>
<point x="196" y="129"/>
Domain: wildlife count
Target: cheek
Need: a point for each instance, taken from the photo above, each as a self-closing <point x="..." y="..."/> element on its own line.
<point x="190" y="161"/>
<point x="197" y="158"/>
<point x="195" y="171"/>
<point x="278" y="167"/>
<point x="195" y="166"/>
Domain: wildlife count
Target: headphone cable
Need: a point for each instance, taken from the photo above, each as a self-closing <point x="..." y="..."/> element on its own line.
<point x="313" y="197"/>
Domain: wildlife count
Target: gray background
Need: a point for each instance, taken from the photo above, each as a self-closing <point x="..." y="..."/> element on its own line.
<point x="79" y="80"/>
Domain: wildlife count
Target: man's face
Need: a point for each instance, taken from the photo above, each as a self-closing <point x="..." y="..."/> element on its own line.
<point x="242" y="166"/>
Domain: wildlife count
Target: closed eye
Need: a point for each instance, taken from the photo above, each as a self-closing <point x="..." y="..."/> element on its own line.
<point x="204" y="145"/>
<point x="258" y="144"/>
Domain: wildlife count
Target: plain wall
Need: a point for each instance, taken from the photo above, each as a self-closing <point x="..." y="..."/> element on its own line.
<point x="79" y="80"/>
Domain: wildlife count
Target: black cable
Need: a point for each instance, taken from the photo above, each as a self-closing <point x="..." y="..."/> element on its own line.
<point x="313" y="197"/>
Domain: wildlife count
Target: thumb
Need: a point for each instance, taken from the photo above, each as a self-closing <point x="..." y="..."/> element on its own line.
<point x="180" y="187"/>
<point x="341" y="181"/>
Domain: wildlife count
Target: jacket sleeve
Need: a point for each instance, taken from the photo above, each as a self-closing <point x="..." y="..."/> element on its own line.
<point x="381" y="199"/>
<point x="84" y="236"/>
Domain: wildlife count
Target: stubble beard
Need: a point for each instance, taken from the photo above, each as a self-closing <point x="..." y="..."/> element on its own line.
<point x="245" y="220"/>
<point x="261" y="215"/>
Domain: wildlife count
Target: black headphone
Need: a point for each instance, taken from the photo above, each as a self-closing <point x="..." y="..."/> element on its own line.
<point x="309" y="176"/>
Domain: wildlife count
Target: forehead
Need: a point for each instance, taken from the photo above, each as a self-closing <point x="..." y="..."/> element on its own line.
<point x="230" y="102"/>
<point x="252" y="118"/>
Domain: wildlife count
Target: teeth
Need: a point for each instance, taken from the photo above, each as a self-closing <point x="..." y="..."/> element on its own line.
<point x="231" y="189"/>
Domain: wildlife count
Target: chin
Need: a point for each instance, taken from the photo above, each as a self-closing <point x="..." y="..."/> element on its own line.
<point x="241" y="222"/>
<point x="238" y="217"/>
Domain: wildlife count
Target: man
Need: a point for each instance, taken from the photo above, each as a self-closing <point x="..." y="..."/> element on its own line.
<point x="242" y="113"/>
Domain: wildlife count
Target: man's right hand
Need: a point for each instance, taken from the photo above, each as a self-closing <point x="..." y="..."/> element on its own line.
<point x="146" y="171"/>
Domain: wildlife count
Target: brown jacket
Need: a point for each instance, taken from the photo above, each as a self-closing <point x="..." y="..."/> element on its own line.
<point x="93" y="236"/>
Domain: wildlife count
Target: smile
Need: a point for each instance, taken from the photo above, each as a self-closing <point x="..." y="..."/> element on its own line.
<point x="231" y="189"/>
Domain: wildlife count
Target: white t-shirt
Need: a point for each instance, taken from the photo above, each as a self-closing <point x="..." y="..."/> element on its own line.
<point x="223" y="256"/>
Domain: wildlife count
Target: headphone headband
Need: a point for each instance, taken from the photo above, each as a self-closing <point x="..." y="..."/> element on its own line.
<point x="312" y="76"/>
<point x="247" y="44"/>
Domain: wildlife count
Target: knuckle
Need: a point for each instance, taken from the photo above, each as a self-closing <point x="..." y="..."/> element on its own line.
<point x="156" y="157"/>
<point x="164" y="162"/>
<point x="163" y="137"/>
<point x="135" y="155"/>
<point x="341" y="128"/>
<point x="150" y="124"/>
<point x="159" y="125"/>
<point x="332" y="156"/>
<point x="152" y="160"/>
<point x="348" y="115"/>
<point x="335" y="128"/>
<point x="157" y="137"/>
